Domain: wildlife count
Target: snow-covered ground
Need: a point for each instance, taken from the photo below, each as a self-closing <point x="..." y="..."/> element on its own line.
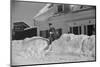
<point x="68" y="48"/>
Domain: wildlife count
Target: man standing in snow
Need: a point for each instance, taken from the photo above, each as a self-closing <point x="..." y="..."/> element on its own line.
<point x="52" y="33"/>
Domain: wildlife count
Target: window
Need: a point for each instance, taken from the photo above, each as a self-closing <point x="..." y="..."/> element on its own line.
<point x="90" y="30"/>
<point x="60" y="8"/>
<point x="75" y="30"/>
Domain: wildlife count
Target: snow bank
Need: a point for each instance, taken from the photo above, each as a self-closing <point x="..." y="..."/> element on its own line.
<point x="30" y="47"/>
<point x="37" y="47"/>
<point x="88" y="46"/>
<point x="79" y="44"/>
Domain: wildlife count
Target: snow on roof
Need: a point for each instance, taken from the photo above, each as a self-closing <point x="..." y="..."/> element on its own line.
<point x="45" y="12"/>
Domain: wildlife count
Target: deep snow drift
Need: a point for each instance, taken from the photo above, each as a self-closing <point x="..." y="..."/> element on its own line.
<point x="68" y="48"/>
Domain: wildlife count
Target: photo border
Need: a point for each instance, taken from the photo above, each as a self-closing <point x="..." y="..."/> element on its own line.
<point x="48" y="63"/>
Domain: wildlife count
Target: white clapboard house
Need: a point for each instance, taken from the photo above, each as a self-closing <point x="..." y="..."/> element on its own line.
<point x="66" y="18"/>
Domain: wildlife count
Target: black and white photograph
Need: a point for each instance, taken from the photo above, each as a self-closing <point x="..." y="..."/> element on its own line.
<point x="52" y="33"/>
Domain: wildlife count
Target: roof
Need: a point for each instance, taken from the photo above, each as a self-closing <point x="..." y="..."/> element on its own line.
<point x="46" y="12"/>
<point x="21" y="24"/>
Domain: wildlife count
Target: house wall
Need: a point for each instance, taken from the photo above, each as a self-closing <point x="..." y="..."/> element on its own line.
<point x="65" y="21"/>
